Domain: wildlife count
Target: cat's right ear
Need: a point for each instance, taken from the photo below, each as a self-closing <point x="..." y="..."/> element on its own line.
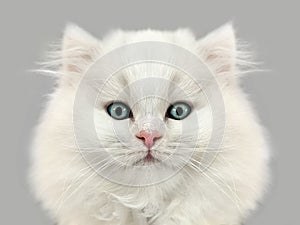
<point x="79" y="49"/>
<point x="218" y="49"/>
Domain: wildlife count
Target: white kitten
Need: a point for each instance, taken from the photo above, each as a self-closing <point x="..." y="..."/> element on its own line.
<point x="149" y="143"/>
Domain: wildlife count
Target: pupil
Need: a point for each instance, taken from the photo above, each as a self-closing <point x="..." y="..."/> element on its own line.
<point x="118" y="111"/>
<point x="179" y="111"/>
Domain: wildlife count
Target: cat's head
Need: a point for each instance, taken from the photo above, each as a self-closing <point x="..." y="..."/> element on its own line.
<point x="150" y="114"/>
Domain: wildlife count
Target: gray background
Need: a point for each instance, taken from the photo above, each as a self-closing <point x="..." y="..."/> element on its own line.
<point x="272" y="27"/>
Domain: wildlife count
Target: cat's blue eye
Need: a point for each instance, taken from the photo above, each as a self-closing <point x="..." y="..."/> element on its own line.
<point x="178" y="111"/>
<point x="119" y="111"/>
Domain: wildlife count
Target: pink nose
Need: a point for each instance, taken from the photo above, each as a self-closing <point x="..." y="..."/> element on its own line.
<point x="149" y="137"/>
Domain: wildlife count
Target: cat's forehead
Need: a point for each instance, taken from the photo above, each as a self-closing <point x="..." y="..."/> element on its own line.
<point x="141" y="84"/>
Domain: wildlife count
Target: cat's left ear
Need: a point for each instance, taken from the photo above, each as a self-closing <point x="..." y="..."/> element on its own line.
<point x="79" y="49"/>
<point x="218" y="49"/>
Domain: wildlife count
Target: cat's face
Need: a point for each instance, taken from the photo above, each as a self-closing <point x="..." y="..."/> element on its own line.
<point x="142" y="119"/>
<point x="147" y="114"/>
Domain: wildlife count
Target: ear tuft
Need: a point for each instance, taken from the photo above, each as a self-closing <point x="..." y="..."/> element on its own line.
<point x="79" y="48"/>
<point x="218" y="49"/>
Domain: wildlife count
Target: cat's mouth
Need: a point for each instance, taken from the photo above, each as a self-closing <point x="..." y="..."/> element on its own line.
<point x="149" y="157"/>
<point x="147" y="160"/>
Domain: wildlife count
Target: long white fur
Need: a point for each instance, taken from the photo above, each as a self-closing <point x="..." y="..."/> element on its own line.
<point x="226" y="193"/>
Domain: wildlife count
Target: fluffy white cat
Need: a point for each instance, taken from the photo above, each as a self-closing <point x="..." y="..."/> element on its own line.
<point x="141" y="121"/>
